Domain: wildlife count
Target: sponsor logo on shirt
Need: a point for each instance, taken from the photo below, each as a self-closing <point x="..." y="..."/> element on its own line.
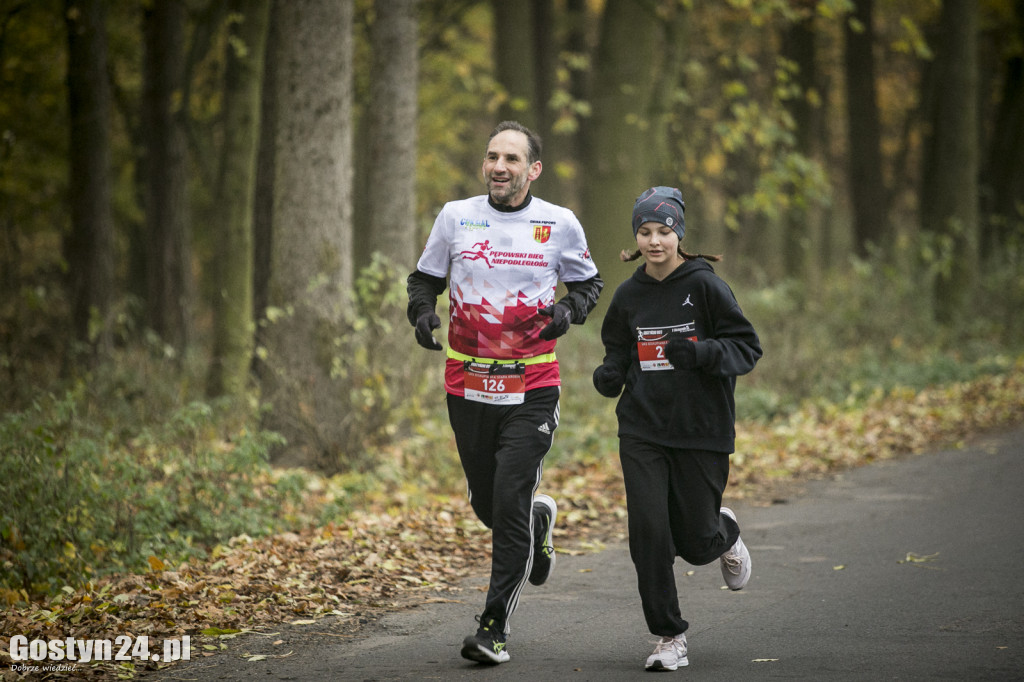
<point x="661" y="333"/>
<point x="471" y="224"/>
<point x="541" y="233"/>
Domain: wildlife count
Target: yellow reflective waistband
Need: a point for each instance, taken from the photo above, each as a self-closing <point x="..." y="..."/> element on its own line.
<point x="535" y="360"/>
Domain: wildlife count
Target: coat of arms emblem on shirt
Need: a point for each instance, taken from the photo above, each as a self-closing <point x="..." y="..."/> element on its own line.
<point x="541" y="233"/>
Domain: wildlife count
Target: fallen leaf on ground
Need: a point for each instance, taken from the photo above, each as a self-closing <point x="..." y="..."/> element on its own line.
<point x="918" y="558"/>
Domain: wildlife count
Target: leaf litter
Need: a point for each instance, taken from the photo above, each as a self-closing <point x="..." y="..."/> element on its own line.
<point x="387" y="557"/>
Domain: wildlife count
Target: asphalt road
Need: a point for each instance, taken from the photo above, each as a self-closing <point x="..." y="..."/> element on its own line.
<point x="833" y="595"/>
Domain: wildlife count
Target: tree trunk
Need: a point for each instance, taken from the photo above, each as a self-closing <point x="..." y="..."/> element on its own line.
<point x="89" y="249"/>
<point x="949" y="196"/>
<point x="169" y="285"/>
<point x="867" y="186"/>
<point x="311" y="269"/>
<point x="1004" y="171"/>
<point x="563" y="155"/>
<point x="233" y="264"/>
<point x="514" y="63"/>
<point x="619" y="145"/>
<point x="798" y="232"/>
<point x="545" y="61"/>
<point x="391" y="191"/>
<point x="263" y="203"/>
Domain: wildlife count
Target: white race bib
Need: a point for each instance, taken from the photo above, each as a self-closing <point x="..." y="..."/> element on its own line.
<point x="495" y="384"/>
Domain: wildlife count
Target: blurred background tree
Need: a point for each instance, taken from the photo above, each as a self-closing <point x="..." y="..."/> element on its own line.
<point x="238" y="189"/>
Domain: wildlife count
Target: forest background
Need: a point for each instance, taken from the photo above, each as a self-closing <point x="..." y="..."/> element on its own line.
<point x="209" y="209"/>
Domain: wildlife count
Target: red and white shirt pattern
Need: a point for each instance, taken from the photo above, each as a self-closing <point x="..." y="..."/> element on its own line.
<point x="503" y="267"/>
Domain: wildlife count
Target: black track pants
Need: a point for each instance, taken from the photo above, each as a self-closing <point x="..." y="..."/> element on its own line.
<point x="673" y="499"/>
<point x="502" y="450"/>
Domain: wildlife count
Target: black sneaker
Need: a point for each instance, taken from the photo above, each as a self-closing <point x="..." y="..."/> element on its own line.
<point x="487" y="645"/>
<point x="543" y="545"/>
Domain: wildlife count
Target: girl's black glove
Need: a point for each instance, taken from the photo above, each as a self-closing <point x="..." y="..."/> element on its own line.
<point x="681" y="352"/>
<point x="608" y="381"/>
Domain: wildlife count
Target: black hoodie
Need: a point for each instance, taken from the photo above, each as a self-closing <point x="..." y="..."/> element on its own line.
<point x="679" y="408"/>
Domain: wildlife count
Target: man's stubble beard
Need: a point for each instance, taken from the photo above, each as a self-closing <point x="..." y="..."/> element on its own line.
<point x="515" y="186"/>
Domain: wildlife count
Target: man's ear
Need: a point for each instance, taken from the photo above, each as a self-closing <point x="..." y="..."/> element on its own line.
<point x="535" y="168"/>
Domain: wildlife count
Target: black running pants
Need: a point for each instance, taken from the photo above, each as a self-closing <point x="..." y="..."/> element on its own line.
<point x="502" y="449"/>
<point x="673" y="501"/>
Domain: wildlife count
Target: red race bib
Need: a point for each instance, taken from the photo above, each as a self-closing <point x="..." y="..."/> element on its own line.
<point x="500" y="385"/>
<point x="651" y="342"/>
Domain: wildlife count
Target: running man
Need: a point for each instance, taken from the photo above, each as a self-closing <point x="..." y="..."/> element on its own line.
<point x="501" y="376"/>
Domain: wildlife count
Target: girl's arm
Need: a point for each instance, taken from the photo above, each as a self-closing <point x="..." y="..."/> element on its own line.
<point x="732" y="347"/>
<point x="735" y="348"/>
<point x="617" y="338"/>
<point x="610" y="376"/>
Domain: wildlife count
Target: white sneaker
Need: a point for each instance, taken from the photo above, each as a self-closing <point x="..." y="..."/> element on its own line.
<point x="669" y="654"/>
<point x="736" y="561"/>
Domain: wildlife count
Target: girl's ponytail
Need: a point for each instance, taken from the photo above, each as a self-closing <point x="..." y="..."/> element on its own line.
<point x="627" y="256"/>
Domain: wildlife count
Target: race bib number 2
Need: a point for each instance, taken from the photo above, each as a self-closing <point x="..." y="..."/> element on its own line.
<point x="651" y="344"/>
<point x="652" y="355"/>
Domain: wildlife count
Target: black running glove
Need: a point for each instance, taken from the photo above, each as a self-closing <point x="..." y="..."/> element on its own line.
<point x="608" y="381"/>
<point x="426" y="323"/>
<point x="681" y="352"/>
<point x="561" y="316"/>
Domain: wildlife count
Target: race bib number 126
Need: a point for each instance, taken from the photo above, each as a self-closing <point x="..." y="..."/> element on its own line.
<point x="483" y="386"/>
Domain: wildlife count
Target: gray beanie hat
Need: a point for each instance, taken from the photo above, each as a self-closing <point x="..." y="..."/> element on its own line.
<point x="660" y="205"/>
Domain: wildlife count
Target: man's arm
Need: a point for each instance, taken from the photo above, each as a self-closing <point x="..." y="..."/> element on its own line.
<point x="423" y="290"/>
<point x="574" y="307"/>
<point x="582" y="297"/>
